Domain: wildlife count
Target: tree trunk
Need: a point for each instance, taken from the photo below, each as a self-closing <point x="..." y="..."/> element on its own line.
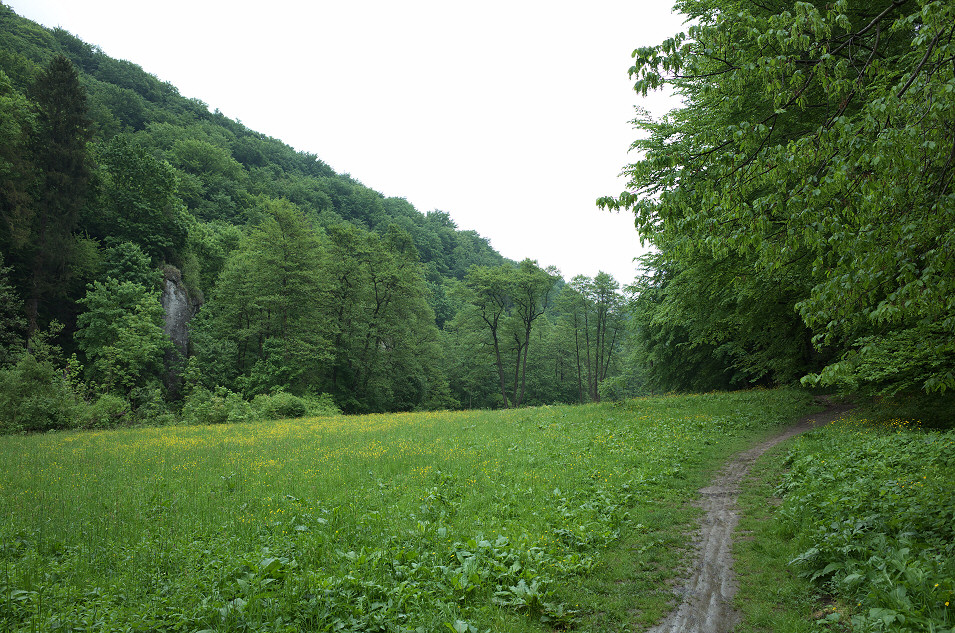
<point x="580" y="383"/>
<point x="500" y="366"/>
<point x="527" y="345"/>
<point x="590" y="379"/>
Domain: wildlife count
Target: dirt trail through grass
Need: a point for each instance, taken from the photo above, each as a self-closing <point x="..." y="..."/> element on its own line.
<point x="707" y="596"/>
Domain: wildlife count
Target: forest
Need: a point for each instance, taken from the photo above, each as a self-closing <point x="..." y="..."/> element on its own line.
<point x="162" y="262"/>
<point x="167" y="270"/>
<point x="800" y="203"/>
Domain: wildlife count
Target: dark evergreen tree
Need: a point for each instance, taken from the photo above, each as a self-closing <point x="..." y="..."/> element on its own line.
<point x="59" y="155"/>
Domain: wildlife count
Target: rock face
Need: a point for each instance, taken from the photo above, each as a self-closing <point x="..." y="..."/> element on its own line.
<point x="178" y="310"/>
<point x="175" y="301"/>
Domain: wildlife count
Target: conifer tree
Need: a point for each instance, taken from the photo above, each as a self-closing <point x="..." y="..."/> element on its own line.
<point x="59" y="153"/>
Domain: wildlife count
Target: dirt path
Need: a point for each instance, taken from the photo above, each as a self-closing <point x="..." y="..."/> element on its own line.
<point x="707" y="596"/>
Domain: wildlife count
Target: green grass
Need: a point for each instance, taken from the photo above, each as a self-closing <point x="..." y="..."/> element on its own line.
<point x="771" y="597"/>
<point x="863" y="538"/>
<point x="527" y="520"/>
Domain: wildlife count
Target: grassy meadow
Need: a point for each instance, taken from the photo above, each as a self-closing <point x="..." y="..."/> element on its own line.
<point x="522" y="520"/>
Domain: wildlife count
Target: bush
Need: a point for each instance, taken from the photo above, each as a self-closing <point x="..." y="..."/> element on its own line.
<point x="279" y="405"/>
<point x="149" y="402"/>
<point x="320" y="404"/>
<point x="34" y="396"/>
<point x="107" y="412"/>
<point x="217" y="407"/>
<point x="285" y="405"/>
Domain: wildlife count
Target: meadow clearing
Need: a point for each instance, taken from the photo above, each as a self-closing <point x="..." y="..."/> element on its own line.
<point x="521" y="520"/>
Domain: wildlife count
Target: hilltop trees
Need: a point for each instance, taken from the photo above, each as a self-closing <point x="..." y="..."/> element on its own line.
<point x="810" y="173"/>
<point x="136" y="200"/>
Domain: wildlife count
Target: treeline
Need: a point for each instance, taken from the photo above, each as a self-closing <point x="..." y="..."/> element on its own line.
<point x="801" y="203"/>
<point x="161" y="261"/>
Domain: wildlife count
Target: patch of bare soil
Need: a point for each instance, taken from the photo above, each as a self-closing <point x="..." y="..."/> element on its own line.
<point x="707" y="597"/>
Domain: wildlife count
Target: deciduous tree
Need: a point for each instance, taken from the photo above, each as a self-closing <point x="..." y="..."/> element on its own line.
<point x="816" y="141"/>
<point x="121" y="334"/>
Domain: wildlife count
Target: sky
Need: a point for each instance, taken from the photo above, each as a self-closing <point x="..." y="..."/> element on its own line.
<point x="512" y="116"/>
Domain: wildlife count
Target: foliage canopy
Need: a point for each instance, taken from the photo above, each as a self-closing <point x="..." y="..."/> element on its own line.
<point x="815" y="144"/>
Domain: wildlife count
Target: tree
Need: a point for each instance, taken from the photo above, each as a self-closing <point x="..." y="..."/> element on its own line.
<point x="12" y="324"/>
<point x="593" y="308"/>
<point x="16" y="122"/>
<point x="126" y="261"/>
<point x="671" y="346"/>
<point x="264" y="326"/>
<point x="487" y="290"/>
<point x="505" y="301"/>
<point x="59" y="156"/>
<point x="531" y="292"/>
<point x="470" y="367"/>
<point x="212" y="182"/>
<point x="589" y="308"/>
<point x="121" y="333"/>
<point x="816" y="143"/>
<point x="136" y="201"/>
<point x="387" y="352"/>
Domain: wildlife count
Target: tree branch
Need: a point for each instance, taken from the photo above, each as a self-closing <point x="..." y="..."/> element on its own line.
<point x="918" y="69"/>
<point x="872" y="24"/>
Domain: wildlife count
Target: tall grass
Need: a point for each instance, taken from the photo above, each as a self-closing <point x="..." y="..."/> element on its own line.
<point x="402" y="522"/>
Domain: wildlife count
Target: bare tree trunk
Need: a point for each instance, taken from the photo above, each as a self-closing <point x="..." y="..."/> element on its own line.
<point x="590" y="380"/>
<point x="580" y="384"/>
<point x="527" y="344"/>
<point x="500" y="367"/>
<point x="517" y="370"/>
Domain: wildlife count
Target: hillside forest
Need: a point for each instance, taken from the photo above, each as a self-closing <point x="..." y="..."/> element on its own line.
<point x="161" y="261"/>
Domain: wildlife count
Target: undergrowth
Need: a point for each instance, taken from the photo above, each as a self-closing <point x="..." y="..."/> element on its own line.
<point x="868" y="522"/>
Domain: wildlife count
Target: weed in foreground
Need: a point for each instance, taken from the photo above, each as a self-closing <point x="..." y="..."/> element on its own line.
<point x="866" y="527"/>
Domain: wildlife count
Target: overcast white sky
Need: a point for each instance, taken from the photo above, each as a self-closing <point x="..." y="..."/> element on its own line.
<point x="511" y="115"/>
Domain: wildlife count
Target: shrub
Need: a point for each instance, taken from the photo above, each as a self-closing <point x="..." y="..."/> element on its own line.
<point x="149" y="402"/>
<point x="217" y="407"/>
<point x="34" y="396"/>
<point x="288" y="406"/>
<point x="320" y="404"/>
<point x="107" y="412"/>
<point x="279" y="405"/>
